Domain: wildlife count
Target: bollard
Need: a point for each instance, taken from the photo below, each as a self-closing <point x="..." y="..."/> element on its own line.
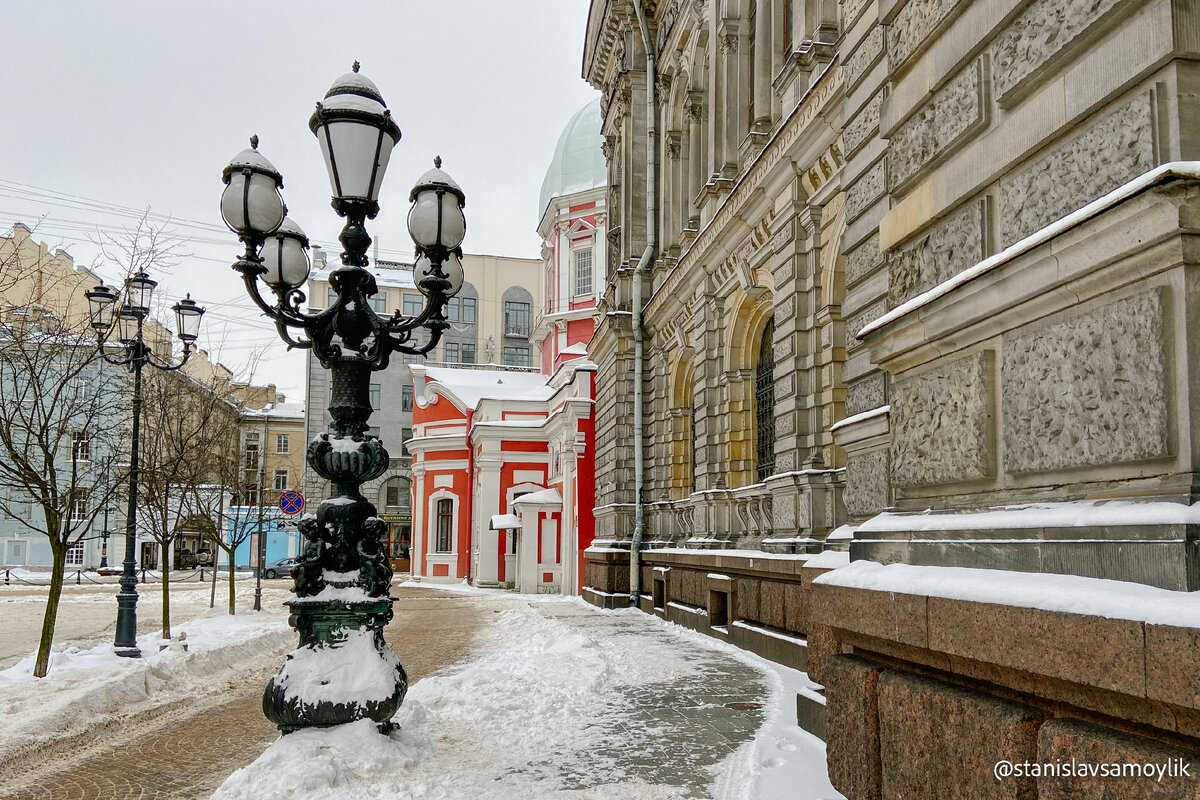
<point x="143" y="574"/>
<point x="78" y="573"/>
<point x="202" y="574"/>
<point x="6" y="578"/>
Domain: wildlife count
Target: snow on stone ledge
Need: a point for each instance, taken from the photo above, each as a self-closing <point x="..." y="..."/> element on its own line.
<point x="862" y="417"/>
<point x="830" y="559"/>
<point x="1068" y="594"/>
<point x="1071" y="514"/>
<point x="1174" y="169"/>
<point x="505" y="522"/>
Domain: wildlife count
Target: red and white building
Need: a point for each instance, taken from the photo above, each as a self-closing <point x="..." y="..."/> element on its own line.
<point x="503" y="460"/>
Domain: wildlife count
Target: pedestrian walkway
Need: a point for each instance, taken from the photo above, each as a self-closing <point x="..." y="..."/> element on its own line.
<point x="187" y="750"/>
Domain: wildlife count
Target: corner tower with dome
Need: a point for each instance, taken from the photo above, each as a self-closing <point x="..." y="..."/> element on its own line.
<point x="572" y="223"/>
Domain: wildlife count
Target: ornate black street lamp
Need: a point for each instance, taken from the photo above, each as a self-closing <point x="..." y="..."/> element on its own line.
<point x="341" y="601"/>
<point x="104" y="541"/>
<point x="127" y="322"/>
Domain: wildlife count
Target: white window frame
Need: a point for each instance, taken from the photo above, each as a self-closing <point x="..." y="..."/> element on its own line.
<point x="287" y="479"/>
<point x="283" y="444"/>
<point x="75" y="554"/>
<point x="81" y="446"/>
<point x="576" y="289"/>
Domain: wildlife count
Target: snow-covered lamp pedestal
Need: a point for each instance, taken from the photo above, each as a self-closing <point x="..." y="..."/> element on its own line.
<point x="343" y="670"/>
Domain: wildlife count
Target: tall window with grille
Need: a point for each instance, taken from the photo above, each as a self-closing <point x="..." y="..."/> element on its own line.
<point x="251" y="451"/>
<point x="583" y="271"/>
<point x="79" y="504"/>
<point x="445" y="529"/>
<point x="764" y="403"/>
<point x="406" y="398"/>
<point x="516" y="318"/>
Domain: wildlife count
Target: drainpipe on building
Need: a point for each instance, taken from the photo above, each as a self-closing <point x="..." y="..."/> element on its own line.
<point x="643" y="266"/>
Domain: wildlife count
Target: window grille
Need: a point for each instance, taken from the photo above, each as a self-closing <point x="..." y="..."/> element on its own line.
<point x="764" y="403"/>
<point x="516" y="318"/>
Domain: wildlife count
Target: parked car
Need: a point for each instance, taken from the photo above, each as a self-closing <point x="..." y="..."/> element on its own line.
<point x="280" y="569"/>
<point x="189" y="560"/>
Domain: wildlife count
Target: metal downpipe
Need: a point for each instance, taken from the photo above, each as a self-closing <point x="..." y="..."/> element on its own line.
<point x="639" y="355"/>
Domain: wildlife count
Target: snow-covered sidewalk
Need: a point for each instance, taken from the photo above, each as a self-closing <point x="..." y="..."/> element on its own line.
<point x="563" y="700"/>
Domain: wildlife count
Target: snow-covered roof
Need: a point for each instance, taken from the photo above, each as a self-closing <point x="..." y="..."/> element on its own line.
<point x="472" y="385"/>
<point x="537" y="498"/>
<point x="278" y="410"/>
<point x="505" y="522"/>
<point x="387" y="273"/>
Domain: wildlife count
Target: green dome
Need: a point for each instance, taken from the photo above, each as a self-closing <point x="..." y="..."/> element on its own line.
<point x="578" y="162"/>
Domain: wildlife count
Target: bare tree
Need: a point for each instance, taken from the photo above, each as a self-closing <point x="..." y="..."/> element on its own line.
<point x="62" y="410"/>
<point x="191" y="428"/>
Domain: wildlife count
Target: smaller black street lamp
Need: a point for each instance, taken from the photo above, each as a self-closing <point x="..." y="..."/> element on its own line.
<point x="342" y="581"/>
<point x="104" y="541"/>
<point x="127" y="324"/>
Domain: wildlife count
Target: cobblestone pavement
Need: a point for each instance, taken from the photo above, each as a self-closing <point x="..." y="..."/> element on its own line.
<point x="188" y="750"/>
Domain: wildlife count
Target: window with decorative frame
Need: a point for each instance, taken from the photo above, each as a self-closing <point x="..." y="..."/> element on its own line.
<point x="582" y="271"/>
<point x="445" y="527"/>
<point x="283" y="443"/>
<point x="461" y="309"/>
<point x="75" y="554"/>
<point x="406" y="398"/>
<point x="79" y="504"/>
<point x="451" y="353"/>
<point x="466" y="352"/>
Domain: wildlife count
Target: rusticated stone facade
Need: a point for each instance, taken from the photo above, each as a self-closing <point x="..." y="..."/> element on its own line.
<point x="1115" y="149"/>
<point x="947" y="249"/>
<point x="942" y="423"/>
<point x="1088" y="390"/>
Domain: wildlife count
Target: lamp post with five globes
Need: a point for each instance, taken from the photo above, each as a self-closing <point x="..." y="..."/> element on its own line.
<point x="343" y="670"/>
<point x="127" y="317"/>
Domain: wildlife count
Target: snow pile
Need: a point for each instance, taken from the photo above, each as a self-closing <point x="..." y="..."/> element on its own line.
<point x="88" y="688"/>
<point x="349" y="670"/>
<point x="1069" y="594"/>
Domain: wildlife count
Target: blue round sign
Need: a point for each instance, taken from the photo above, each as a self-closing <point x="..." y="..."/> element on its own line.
<point x="291" y="502"/>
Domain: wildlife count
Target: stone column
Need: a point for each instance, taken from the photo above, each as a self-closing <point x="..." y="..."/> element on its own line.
<point x="731" y="100"/>
<point x="762" y="67"/>
<point x="695" y="116"/>
<point x="488" y="502"/>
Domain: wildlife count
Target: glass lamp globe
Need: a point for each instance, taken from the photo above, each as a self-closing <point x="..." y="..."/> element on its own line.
<point x="251" y="204"/>
<point x="356" y="133"/>
<point x="187" y="319"/>
<point x="102" y="305"/>
<point x="285" y="257"/>
<point x="128" y="322"/>
<point x="436" y="218"/>
<point x="138" y="291"/>
<point x="451" y="267"/>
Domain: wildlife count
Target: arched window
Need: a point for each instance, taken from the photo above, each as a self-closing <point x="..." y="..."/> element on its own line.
<point x="397" y="493"/>
<point x="764" y="403"/>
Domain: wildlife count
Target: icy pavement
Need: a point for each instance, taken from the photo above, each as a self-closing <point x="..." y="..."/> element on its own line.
<point x="560" y="700"/>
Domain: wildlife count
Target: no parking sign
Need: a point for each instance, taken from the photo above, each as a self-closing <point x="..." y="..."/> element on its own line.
<point x="291" y="502"/>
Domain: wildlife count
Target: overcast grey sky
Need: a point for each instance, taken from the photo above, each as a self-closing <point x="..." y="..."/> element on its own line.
<point x="115" y="107"/>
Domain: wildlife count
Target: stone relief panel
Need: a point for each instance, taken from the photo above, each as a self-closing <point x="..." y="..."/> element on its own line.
<point x="868" y="52"/>
<point x="952" y="115"/>
<point x="859" y="130"/>
<point x="784" y="348"/>
<point x="1089" y="390"/>
<point x="866" y="492"/>
<point x="864" y="395"/>
<point x="869" y="187"/>
<point x="863" y="260"/>
<point x="1046" y="27"/>
<point x="947" y="249"/>
<point x="913" y="26"/>
<point x="786" y="308"/>
<point x="783" y="515"/>
<point x="856" y="322"/>
<point x="1107" y="154"/>
<point x="942" y="423"/>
